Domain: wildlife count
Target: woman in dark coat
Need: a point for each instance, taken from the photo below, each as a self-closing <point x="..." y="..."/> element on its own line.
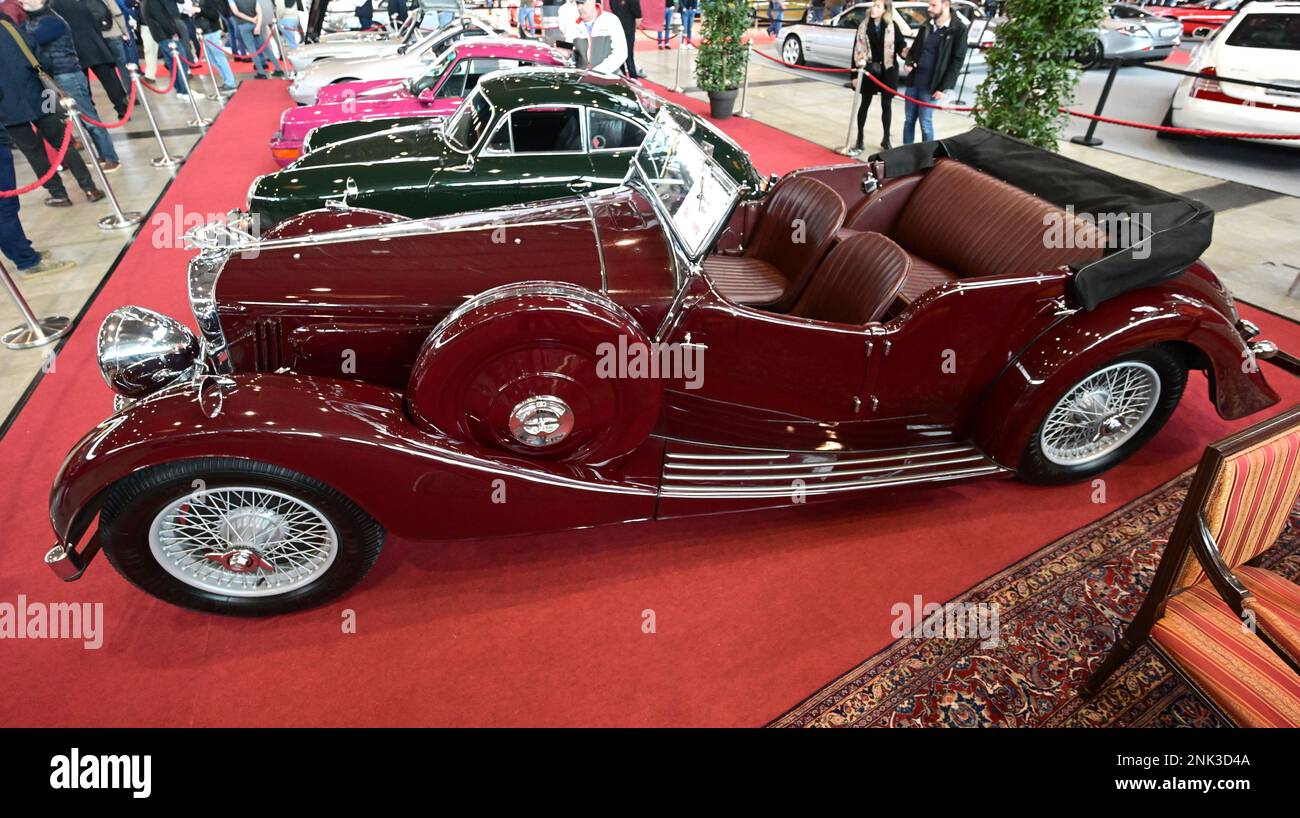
<point x="879" y="48"/>
<point x="89" y="21"/>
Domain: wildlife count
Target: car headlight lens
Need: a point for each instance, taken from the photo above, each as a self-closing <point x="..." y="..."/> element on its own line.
<point x="142" y="351"/>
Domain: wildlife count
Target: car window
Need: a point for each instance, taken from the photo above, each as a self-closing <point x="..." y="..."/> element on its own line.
<point x="545" y="130"/>
<point x="468" y="123"/>
<point x="1267" y="31"/>
<point x="430" y="78"/>
<point x="608" y="132"/>
<point x="852" y="18"/>
<point x="480" y="67"/>
<point x="915" y="17"/>
<point x="1126" y="13"/>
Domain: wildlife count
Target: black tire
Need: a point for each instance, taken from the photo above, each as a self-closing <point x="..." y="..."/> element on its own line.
<point x="1093" y="57"/>
<point x="798" y="46"/>
<point x="132" y="504"/>
<point x="1171" y="369"/>
<point x="1168" y="122"/>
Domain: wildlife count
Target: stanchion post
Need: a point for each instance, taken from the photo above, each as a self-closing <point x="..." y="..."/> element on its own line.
<point x="118" y="219"/>
<point x="744" y="85"/>
<point x="178" y="67"/>
<point x="212" y="73"/>
<point x="33" y="332"/>
<point x="847" y="150"/>
<point x="1088" y="138"/>
<point x="142" y="94"/>
<point x="681" y="46"/>
<point x="965" y="69"/>
<point x="282" y="56"/>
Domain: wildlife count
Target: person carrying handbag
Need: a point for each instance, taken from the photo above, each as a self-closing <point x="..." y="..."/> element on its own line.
<point x="31" y="120"/>
<point x="878" y="48"/>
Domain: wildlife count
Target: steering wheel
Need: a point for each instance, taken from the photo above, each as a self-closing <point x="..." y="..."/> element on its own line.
<point x="598" y="141"/>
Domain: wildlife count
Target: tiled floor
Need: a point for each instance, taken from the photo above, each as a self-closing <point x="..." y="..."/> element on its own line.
<point x="73" y="233"/>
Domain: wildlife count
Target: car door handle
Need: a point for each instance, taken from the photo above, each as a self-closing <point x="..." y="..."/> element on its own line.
<point x="575" y="186"/>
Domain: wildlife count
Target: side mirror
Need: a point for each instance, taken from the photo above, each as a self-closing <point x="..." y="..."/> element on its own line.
<point x="428" y="95"/>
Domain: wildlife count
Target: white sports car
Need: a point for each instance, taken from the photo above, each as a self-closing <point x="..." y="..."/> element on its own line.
<point x="1260" y="44"/>
<point x="404" y="60"/>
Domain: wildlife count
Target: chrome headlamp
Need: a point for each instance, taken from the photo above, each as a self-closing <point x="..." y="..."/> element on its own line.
<point x="142" y="351"/>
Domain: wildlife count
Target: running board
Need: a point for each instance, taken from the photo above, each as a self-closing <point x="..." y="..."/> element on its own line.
<point x="716" y="472"/>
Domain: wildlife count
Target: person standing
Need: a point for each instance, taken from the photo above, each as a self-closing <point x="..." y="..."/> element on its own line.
<point x="248" y="13"/>
<point x="13" y="240"/>
<point x="119" y="40"/>
<point x="688" y="9"/>
<point x="664" y="39"/>
<point x="89" y="21"/>
<point x="816" y="11"/>
<point x="29" y="123"/>
<point x="397" y="13"/>
<point x="936" y="58"/>
<point x="209" y="22"/>
<point x="775" y="11"/>
<point x="877" y="49"/>
<point x="163" y="20"/>
<point x="527" y="26"/>
<point x="57" y="53"/>
<point x="628" y="13"/>
<point x="598" y="41"/>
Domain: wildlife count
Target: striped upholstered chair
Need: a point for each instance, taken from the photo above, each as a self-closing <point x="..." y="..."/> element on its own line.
<point x="1230" y="630"/>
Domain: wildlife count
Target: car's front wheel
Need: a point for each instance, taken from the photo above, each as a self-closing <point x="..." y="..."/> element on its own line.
<point x="1093" y="56"/>
<point x="792" y="50"/>
<point x="1106" y="416"/>
<point x="236" y="537"/>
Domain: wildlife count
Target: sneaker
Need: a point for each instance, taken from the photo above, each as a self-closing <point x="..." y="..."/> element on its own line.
<point x="58" y="201"/>
<point x="182" y="95"/>
<point x="46" y="266"/>
<point x="109" y="165"/>
<point x="278" y="75"/>
<point x="259" y="76"/>
<point x="94" y="194"/>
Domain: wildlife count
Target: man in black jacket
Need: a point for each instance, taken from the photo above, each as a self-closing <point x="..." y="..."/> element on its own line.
<point x="163" y="19"/>
<point x="628" y="13"/>
<point x="936" y="58"/>
<point x="89" y="21"/>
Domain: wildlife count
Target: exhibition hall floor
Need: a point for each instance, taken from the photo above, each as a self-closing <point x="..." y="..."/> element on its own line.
<point x="753" y="613"/>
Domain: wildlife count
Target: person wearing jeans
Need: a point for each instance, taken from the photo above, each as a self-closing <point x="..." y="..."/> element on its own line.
<point x="208" y="22"/>
<point x="527" y="28"/>
<point x="936" y="57"/>
<point x="688" y="19"/>
<point x="253" y="29"/>
<point x="57" y="54"/>
<point x="664" y="39"/>
<point x="165" y="26"/>
<point x="13" y="240"/>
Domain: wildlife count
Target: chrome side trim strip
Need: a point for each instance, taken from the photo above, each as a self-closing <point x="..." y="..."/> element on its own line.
<point x="829" y="471"/>
<point x="761" y="492"/>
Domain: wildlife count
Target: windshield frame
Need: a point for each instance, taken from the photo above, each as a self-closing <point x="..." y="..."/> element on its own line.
<point x="449" y="130"/>
<point x="638" y="178"/>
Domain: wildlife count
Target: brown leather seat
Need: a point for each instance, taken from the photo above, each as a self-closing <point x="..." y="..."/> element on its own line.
<point x="857" y="282"/>
<point x="960" y="222"/>
<point x="798" y="221"/>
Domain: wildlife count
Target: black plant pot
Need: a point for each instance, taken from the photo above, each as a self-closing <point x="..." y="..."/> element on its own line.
<point x="722" y="103"/>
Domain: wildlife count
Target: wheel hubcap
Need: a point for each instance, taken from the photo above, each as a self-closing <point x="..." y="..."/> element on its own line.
<point x="541" y="421"/>
<point x="791" y="51"/>
<point x="1100" y="413"/>
<point x="243" y="541"/>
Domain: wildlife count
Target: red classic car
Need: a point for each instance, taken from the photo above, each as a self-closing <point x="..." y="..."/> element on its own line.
<point x="664" y="348"/>
<point x="1203" y="19"/>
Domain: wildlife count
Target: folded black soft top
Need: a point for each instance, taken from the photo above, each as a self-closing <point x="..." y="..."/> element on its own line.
<point x="1180" y="227"/>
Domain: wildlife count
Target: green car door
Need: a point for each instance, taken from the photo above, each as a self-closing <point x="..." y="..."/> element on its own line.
<point x="612" y="140"/>
<point x="533" y="153"/>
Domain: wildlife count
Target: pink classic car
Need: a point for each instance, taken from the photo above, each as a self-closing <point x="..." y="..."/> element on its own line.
<point x="434" y="93"/>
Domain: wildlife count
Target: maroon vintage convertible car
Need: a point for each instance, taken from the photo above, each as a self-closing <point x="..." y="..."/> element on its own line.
<point x="657" y="350"/>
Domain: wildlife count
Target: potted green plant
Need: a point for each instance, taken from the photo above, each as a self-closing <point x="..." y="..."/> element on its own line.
<point x="720" y="66"/>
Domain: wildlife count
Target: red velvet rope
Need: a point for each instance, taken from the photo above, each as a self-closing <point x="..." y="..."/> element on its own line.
<point x="130" y="109"/>
<point x="266" y="42"/>
<point x="54" y="166"/>
<point x="170" y="84"/>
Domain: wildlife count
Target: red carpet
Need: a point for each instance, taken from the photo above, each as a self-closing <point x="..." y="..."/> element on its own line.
<point x="753" y="612"/>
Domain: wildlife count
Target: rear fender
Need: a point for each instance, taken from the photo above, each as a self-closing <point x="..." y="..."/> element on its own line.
<point x="1081" y="342"/>
<point x="358" y="439"/>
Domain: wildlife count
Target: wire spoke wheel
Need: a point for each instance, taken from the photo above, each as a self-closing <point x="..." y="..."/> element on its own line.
<point x="243" y="541"/>
<point x="1100" y="413"/>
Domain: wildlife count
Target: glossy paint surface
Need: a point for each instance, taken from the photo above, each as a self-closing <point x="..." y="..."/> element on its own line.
<point x="342" y="304"/>
<point x="414" y="171"/>
<point x="425" y="95"/>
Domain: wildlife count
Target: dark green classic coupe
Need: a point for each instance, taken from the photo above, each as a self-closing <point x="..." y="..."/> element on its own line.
<point x="523" y="135"/>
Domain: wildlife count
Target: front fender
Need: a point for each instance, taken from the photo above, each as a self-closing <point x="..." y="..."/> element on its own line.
<point x="1081" y="342"/>
<point x="358" y="439"/>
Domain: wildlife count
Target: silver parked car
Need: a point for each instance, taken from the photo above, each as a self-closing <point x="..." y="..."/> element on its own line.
<point x="1132" y="34"/>
<point x="405" y="60"/>
<point x="830" y="42"/>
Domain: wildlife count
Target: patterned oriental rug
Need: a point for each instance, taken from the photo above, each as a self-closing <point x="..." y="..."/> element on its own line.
<point x="1059" y="611"/>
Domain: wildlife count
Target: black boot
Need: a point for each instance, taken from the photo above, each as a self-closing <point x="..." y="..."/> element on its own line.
<point x="857" y="145"/>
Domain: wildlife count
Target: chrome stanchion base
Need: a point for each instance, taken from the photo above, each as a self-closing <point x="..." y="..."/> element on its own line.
<point x="745" y="115"/>
<point x="166" y="161"/>
<point x="200" y="122"/>
<point x="128" y="219"/>
<point x="847" y="151"/>
<point x="24" y="337"/>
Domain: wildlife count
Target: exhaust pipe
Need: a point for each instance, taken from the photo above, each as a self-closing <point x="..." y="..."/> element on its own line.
<point x="66" y="563"/>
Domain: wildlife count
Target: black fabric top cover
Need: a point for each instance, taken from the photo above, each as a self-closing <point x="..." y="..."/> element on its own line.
<point x="1180" y="228"/>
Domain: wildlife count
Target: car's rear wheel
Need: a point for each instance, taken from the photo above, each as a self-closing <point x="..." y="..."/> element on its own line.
<point x="1092" y="58"/>
<point x="1104" y="417"/>
<point x="792" y="50"/>
<point x="238" y="537"/>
